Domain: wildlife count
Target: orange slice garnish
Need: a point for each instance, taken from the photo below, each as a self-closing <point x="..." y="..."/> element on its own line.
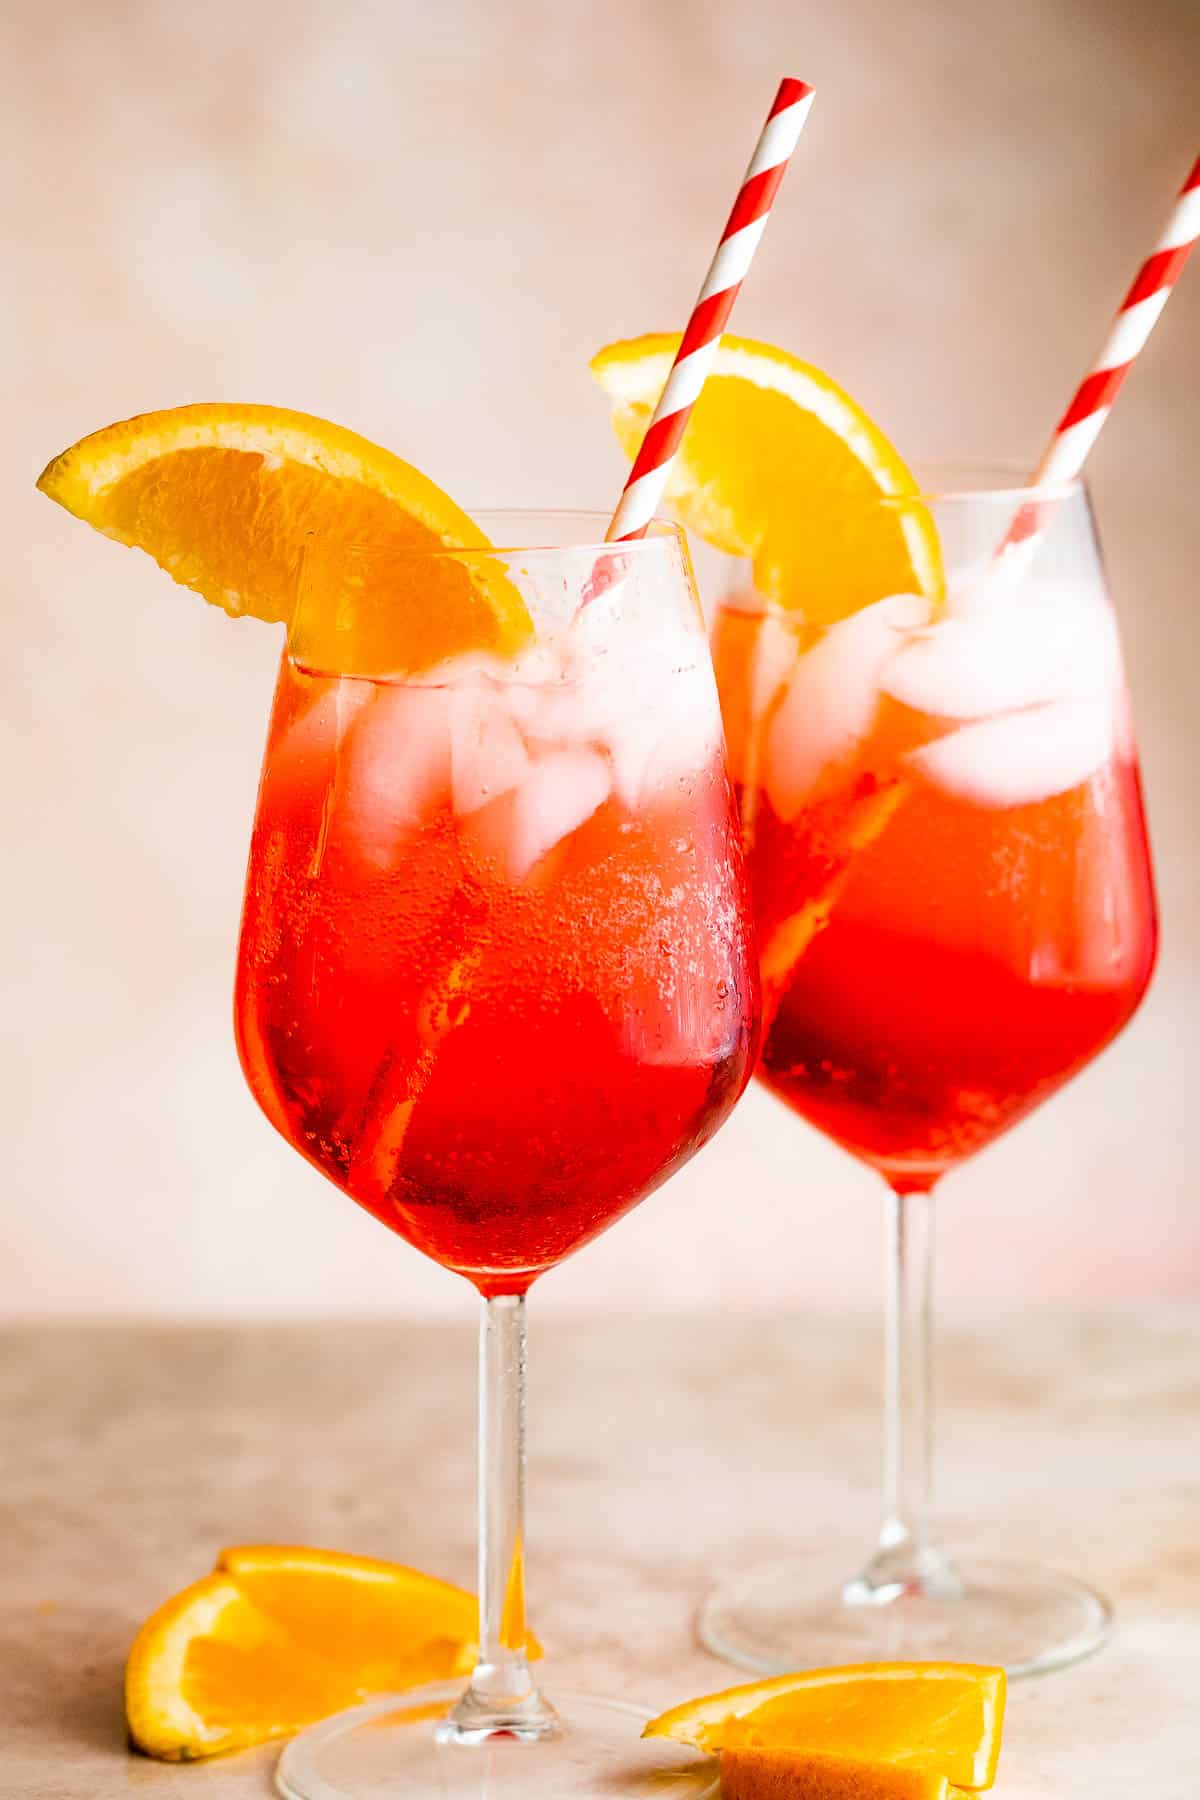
<point x="781" y="466"/>
<point x="278" y="1636"/>
<point x="227" y="497"/>
<point x="944" y="1717"/>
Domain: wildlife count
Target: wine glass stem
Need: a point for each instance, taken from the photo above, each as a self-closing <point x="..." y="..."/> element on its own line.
<point x="908" y="1423"/>
<point x="503" y="1696"/>
<point x="908" y="1559"/>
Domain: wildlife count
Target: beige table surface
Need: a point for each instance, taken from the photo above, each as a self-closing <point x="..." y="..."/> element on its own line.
<point x="662" y="1454"/>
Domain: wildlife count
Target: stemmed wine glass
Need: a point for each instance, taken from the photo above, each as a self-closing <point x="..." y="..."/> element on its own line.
<point x="496" y="982"/>
<point x="943" y="821"/>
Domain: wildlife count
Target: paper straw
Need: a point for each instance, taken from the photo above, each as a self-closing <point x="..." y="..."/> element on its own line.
<point x="739" y="240"/>
<point x="1083" y="420"/>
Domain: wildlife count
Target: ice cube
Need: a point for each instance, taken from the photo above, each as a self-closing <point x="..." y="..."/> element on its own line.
<point x="662" y="720"/>
<point x="647" y="699"/>
<point x="686" y="715"/>
<point x="396" y="769"/>
<point x="754" y="651"/>
<point x="559" y="792"/>
<point x="775" y="655"/>
<point x="1003" y="647"/>
<point x="831" y="697"/>
<point x="1022" y="757"/>
<point x="488" y="756"/>
<point x="319" y="730"/>
<point x="569" y="710"/>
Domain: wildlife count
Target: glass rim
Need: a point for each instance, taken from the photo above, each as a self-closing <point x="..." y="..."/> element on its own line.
<point x="952" y="480"/>
<point x="659" y="530"/>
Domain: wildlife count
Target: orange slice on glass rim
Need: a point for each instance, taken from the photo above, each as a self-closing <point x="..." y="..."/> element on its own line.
<point x="279" y="1636"/>
<point x="779" y="465"/>
<point x="226" y="498"/>
<point x="944" y="1717"/>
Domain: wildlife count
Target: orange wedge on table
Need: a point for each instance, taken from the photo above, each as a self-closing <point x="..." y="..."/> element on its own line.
<point x="781" y="466"/>
<point x="227" y="498"/>
<point x="276" y="1637"/>
<point x="943" y="1720"/>
<point x="797" y="1775"/>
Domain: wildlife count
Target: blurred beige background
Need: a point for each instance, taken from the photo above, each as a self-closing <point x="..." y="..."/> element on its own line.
<point x="421" y="220"/>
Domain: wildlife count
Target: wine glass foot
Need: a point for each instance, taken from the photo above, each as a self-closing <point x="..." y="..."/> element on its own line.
<point x="390" y="1749"/>
<point x="790" y="1615"/>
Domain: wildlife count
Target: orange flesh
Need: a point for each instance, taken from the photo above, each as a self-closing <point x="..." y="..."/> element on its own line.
<point x="797" y="1775"/>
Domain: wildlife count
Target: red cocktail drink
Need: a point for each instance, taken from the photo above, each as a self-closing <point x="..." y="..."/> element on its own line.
<point x="494" y="962"/>
<point x="955" y="915"/>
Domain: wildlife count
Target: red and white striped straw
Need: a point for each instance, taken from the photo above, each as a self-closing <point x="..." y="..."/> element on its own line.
<point x="739" y="240"/>
<point x="1083" y="420"/>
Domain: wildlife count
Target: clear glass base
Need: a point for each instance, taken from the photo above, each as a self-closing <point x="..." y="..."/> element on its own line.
<point x="390" y="1749"/>
<point x="790" y="1615"/>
